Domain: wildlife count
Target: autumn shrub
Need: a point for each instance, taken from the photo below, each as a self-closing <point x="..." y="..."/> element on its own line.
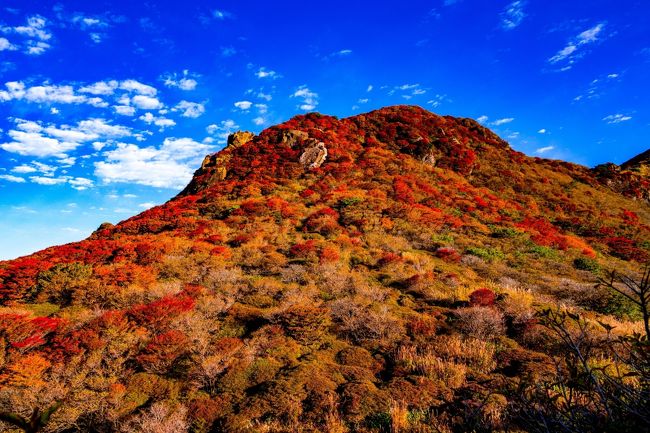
<point x="480" y="322"/>
<point x="161" y="352"/>
<point x="61" y="281"/>
<point x="482" y="298"/>
<point x="307" y="324"/>
<point x="448" y="254"/>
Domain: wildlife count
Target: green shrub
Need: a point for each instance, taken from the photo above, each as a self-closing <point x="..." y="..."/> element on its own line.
<point x="488" y="253"/>
<point x="586" y="264"/>
<point x="541" y="251"/>
<point x="504" y="232"/>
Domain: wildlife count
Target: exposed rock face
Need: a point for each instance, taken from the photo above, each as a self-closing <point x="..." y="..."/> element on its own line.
<point x="214" y="167"/>
<point x="239" y="138"/>
<point x="293" y="136"/>
<point x="314" y="155"/>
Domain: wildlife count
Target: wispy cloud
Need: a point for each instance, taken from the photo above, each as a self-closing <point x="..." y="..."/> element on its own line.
<point x="503" y="121"/>
<point x="190" y="109"/>
<point x="617" y="118"/>
<point x="568" y="55"/>
<point x="482" y="119"/>
<point x="544" y="149"/>
<point x="34" y="36"/>
<point x="266" y="73"/>
<point x="513" y="15"/>
<point x="243" y="105"/>
<point x="183" y="82"/>
<point x="309" y="98"/>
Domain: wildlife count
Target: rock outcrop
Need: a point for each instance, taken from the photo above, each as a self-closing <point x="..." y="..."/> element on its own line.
<point x="314" y="156"/>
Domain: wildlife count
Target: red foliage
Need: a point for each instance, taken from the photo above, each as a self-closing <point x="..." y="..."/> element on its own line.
<point x="482" y="298"/>
<point x="159" y="354"/>
<point x="626" y="249"/>
<point x="448" y="254"/>
<point x="160" y="313"/>
<point x="324" y="221"/>
<point x="303" y="250"/>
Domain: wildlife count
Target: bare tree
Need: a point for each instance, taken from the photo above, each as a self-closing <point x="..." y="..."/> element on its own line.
<point x="637" y="291"/>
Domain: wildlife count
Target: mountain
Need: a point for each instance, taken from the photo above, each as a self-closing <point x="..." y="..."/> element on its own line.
<point x="639" y="163"/>
<point x="391" y="271"/>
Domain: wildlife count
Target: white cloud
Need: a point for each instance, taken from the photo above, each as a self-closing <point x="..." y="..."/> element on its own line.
<point x="124" y="110"/>
<point x="542" y="131"/>
<point x="262" y="108"/>
<point x="101" y="128"/>
<point x="41" y="180"/>
<point x="170" y="166"/>
<point x="309" y="98"/>
<point x="503" y="121"/>
<point x="264" y="73"/>
<point x="259" y="121"/>
<point x="264" y="96"/>
<point x="370" y="87"/>
<point x="190" y="109"/>
<point x="146" y="102"/>
<point x="616" y="118"/>
<point x="138" y="87"/>
<point x="147" y="205"/>
<point x="342" y="53"/>
<point x="54" y="110"/>
<point x="80" y="183"/>
<point x="10" y="178"/>
<point x="544" y="149"/>
<point x="482" y="119"/>
<point x="5" y="45"/>
<point x="34" y="34"/>
<point x="513" y="15"/>
<point x="100" y="88"/>
<point x="162" y="122"/>
<point x="243" y="105"/>
<point x="185" y="82"/>
<point x="35" y="139"/>
<point x="35" y="144"/>
<point x="570" y="53"/>
<point x="222" y="130"/>
<point x="23" y="169"/>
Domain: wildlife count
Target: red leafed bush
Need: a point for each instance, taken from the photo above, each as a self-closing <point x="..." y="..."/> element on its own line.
<point x="388" y="258"/>
<point x="482" y="298"/>
<point x="324" y="221"/>
<point x="160" y="313"/>
<point x="24" y="333"/>
<point x="626" y="249"/>
<point x="161" y="352"/>
<point x="448" y="254"/>
<point x="304" y="249"/>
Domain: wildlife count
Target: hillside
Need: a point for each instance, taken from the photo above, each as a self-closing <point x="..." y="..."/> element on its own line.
<point x="383" y="272"/>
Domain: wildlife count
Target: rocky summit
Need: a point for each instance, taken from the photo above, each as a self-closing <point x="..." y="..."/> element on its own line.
<point x="394" y="271"/>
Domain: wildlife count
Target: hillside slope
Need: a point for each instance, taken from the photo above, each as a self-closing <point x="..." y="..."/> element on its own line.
<point x="327" y="275"/>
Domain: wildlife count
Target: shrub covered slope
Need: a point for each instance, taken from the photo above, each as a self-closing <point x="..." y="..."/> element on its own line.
<point x="412" y="273"/>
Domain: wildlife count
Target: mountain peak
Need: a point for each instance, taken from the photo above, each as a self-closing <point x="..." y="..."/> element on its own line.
<point x="308" y="141"/>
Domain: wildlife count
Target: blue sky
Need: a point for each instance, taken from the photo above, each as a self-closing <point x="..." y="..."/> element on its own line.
<point x="107" y="107"/>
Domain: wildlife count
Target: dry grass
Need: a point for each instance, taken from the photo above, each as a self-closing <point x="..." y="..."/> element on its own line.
<point x="428" y="364"/>
<point x="476" y="354"/>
